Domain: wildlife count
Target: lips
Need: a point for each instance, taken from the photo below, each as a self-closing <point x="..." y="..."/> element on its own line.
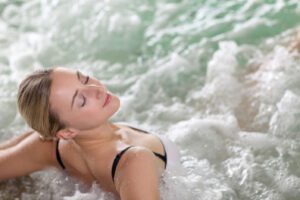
<point x="107" y="99"/>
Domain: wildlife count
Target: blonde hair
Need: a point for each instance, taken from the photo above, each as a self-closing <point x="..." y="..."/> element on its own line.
<point x="34" y="105"/>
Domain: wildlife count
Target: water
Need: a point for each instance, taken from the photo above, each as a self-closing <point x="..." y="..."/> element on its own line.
<point x="216" y="77"/>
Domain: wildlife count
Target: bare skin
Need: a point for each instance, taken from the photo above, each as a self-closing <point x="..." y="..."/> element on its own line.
<point x="89" y="142"/>
<point x="21" y="158"/>
<point x="92" y="157"/>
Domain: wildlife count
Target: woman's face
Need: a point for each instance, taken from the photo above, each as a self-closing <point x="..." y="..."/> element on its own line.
<point x="80" y="101"/>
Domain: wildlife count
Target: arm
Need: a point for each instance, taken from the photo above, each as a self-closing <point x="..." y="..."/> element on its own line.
<point x="15" y="140"/>
<point x="138" y="177"/>
<point x="25" y="156"/>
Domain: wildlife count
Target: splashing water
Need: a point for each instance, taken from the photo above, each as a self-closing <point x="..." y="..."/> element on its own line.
<point x="216" y="77"/>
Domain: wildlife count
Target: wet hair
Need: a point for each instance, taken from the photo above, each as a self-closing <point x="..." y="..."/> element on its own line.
<point x="34" y="105"/>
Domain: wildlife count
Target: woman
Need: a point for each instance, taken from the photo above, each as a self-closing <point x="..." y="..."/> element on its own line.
<point x="70" y="113"/>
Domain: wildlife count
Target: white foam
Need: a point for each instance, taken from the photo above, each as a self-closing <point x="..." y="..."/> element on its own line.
<point x="205" y="139"/>
<point x="284" y="122"/>
<point x="180" y="69"/>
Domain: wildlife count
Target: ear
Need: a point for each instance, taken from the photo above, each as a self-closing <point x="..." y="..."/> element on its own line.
<point x="67" y="133"/>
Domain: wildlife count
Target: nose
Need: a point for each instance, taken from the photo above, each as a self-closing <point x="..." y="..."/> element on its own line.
<point x="95" y="90"/>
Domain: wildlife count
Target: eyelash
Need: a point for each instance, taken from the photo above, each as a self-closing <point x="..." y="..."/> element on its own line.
<point x="87" y="80"/>
<point x="84" y="101"/>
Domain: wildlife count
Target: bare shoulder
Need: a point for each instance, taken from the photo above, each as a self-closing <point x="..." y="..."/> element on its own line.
<point x="26" y="154"/>
<point x="136" y="166"/>
<point x="137" y="153"/>
<point x="35" y="139"/>
<point x="134" y="155"/>
<point x="44" y="150"/>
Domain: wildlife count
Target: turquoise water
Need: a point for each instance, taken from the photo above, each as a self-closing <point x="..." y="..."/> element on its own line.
<point x="216" y="77"/>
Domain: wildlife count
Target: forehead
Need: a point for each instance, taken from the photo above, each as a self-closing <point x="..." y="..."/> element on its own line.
<point x="60" y="73"/>
<point x="62" y="87"/>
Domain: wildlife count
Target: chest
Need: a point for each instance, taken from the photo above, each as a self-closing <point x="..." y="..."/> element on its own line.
<point x="100" y="164"/>
<point x="97" y="164"/>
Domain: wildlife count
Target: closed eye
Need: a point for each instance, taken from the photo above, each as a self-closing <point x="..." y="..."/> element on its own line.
<point x="83" y="102"/>
<point x="87" y="80"/>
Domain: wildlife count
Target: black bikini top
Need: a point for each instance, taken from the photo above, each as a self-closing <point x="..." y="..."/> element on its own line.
<point x="118" y="156"/>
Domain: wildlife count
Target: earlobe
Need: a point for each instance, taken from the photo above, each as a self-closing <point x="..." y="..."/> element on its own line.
<point x="67" y="133"/>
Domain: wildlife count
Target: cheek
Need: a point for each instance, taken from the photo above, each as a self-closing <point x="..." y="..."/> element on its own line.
<point x="92" y="116"/>
<point x="89" y="111"/>
<point x="94" y="111"/>
<point x="99" y="113"/>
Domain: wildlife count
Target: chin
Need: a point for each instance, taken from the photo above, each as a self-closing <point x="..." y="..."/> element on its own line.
<point x="118" y="104"/>
<point x="114" y="105"/>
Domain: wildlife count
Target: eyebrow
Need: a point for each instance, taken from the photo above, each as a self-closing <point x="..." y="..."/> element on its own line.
<point x="76" y="92"/>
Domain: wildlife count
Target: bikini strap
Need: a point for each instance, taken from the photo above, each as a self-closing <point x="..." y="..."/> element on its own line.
<point x="58" y="158"/>
<point x="116" y="161"/>
<point x="162" y="157"/>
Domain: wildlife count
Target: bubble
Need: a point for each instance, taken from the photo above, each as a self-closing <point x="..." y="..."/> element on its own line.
<point x="284" y="122"/>
<point x="223" y="62"/>
<point x="206" y="139"/>
<point x="290" y="187"/>
<point x="11" y="15"/>
<point x="22" y="64"/>
<point x="7" y="112"/>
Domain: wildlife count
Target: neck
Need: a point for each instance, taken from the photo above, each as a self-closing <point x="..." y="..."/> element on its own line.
<point x="88" y="139"/>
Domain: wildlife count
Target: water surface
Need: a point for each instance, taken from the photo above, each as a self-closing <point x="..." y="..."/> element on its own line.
<point x="216" y="77"/>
